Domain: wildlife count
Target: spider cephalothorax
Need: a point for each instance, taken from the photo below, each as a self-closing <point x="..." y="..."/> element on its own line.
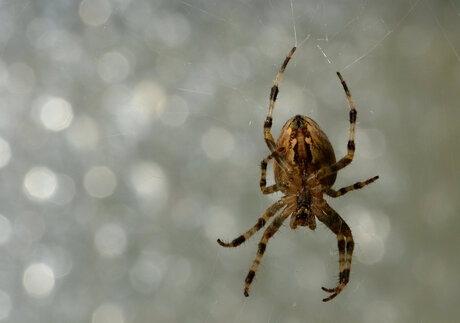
<point x="305" y="169"/>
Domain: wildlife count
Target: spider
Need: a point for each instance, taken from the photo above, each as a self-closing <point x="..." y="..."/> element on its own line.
<point x="305" y="169"/>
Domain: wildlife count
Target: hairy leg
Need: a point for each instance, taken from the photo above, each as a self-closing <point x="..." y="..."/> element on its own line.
<point x="268" y="121"/>
<point x="334" y="168"/>
<point x="345" y="244"/>
<point x="333" y="193"/>
<point x="269" y="233"/>
<point x="260" y="223"/>
<point x="263" y="176"/>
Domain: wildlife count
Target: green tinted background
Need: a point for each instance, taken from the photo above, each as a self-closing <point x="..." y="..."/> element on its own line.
<point x="131" y="137"/>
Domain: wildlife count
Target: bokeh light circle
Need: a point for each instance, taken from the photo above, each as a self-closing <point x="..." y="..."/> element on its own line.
<point x="217" y="143"/>
<point x="40" y="183"/>
<point x="173" y="29"/>
<point x="113" y="67"/>
<point x="148" y="100"/>
<point x="56" y="114"/>
<point x="149" y="180"/>
<point x="100" y="182"/>
<point x="110" y="240"/>
<point x="38" y="280"/>
<point x="145" y="275"/>
<point x="95" y="12"/>
<point x="371" y="228"/>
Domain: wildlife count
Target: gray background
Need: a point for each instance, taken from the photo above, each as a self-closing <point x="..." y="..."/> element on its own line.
<point x="131" y="137"/>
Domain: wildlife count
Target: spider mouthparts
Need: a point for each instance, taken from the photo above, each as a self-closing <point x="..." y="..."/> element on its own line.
<point x="303" y="219"/>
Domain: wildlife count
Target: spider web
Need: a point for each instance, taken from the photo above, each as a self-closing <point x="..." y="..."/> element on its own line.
<point x="131" y="139"/>
<point x="230" y="58"/>
<point x="364" y="36"/>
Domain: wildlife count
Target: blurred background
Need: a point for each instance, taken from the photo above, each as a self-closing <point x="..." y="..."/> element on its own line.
<point x="131" y="138"/>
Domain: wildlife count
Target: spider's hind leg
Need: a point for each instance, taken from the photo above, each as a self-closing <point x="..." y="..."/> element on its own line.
<point x="268" y="234"/>
<point x="345" y="245"/>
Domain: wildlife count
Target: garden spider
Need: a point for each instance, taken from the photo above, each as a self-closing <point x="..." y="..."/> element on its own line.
<point x="304" y="169"/>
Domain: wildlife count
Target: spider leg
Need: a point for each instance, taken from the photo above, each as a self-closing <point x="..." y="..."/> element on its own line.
<point x="333" y="193"/>
<point x="260" y="223"/>
<point x="263" y="176"/>
<point x="334" y="168"/>
<point x="268" y="121"/>
<point x="345" y="244"/>
<point x="269" y="232"/>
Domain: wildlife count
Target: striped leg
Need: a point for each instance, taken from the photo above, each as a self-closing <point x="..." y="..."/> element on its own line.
<point x="263" y="176"/>
<point x="333" y="193"/>
<point x="260" y="223"/>
<point x="334" y="168"/>
<point x="345" y="244"/>
<point x="269" y="232"/>
<point x="268" y="121"/>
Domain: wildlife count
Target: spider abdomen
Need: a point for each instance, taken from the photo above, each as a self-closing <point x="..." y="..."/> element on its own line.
<point x="306" y="147"/>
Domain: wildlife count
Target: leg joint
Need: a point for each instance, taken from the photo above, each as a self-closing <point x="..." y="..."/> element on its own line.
<point x="353" y="114"/>
<point x="351" y="145"/>
<point x="262" y="247"/>
<point x="274" y="93"/>
<point x="260" y="223"/>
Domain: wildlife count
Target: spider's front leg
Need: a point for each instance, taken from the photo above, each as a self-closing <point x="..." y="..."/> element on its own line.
<point x="334" y="168"/>
<point x="273" y="94"/>
<point x="268" y="121"/>
<point x="345" y="244"/>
